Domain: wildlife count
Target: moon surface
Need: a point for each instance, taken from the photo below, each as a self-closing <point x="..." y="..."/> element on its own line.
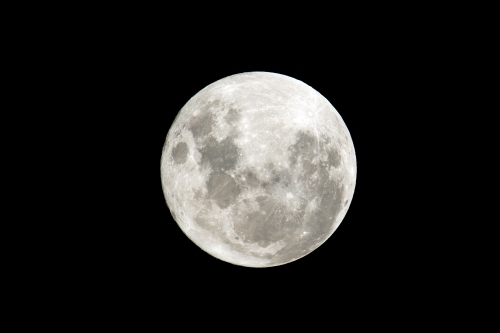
<point x="258" y="169"/>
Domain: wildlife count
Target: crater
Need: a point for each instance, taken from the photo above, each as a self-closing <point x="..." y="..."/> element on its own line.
<point x="221" y="156"/>
<point x="222" y="188"/>
<point x="180" y="152"/>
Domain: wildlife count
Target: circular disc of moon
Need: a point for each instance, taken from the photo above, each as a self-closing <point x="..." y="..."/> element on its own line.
<point x="258" y="169"/>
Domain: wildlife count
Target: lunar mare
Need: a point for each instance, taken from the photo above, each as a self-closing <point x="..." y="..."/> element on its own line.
<point x="258" y="169"/>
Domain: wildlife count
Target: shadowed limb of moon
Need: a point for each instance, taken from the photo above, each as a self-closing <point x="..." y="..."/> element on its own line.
<point x="258" y="169"/>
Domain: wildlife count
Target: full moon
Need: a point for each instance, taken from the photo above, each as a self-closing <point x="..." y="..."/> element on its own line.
<point x="258" y="169"/>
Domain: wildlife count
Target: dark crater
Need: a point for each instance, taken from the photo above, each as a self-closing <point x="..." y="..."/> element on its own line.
<point x="318" y="226"/>
<point x="248" y="178"/>
<point x="222" y="188"/>
<point x="269" y="224"/>
<point x="202" y="124"/>
<point x="180" y="152"/>
<point x="204" y="223"/>
<point x="304" y="148"/>
<point x="233" y="116"/>
<point x="221" y="156"/>
<point x="334" y="158"/>
<point x="330" y="206"/>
